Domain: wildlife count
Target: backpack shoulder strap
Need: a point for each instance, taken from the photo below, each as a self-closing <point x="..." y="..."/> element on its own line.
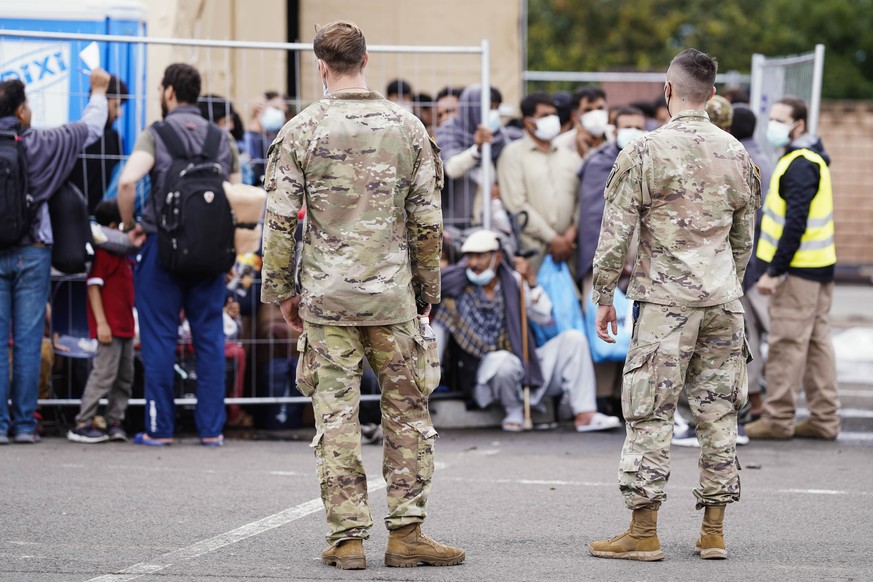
<point x="171" y="140"/>
<point x="214" y="134"/>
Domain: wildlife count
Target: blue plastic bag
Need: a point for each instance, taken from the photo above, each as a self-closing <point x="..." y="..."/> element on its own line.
<point x="600" y="350"/>
<point x="556" y="281"/>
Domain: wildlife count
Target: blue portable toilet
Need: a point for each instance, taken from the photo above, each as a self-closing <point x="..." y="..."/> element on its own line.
<point x="53" y="69"/>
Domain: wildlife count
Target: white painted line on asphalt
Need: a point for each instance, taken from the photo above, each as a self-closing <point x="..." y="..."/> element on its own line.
<point x="856" y="393"/>
<point x="843" y="412"/>
<point x="286" y="473"/>
<point x="815" y="491"/>
<point x="221" y="540"/>
<point x="855" y="436"/>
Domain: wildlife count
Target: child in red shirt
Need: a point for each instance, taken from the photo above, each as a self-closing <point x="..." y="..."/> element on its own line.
<point x="110" y="321"/>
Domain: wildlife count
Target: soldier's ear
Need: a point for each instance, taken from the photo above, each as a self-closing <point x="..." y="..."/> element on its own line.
<point x="366" y="60"/>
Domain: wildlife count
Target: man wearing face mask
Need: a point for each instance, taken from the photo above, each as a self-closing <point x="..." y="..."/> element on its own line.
<point x="481" y="311"/>
<point x="629" y="124"/>
<point x="591" y="122"/>
<point x="268" y="117"/>
<point x="797" y="245"/>
<point x="460" y="140"/>
<point x="539" y="178"/>
<point x="691" y="191"/>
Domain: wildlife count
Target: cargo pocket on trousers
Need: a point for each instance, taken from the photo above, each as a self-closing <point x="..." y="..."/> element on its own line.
<point x="638" y="392"/>
<point x="741" y="386"/>
<point x="305" y="376"/>
<point x="427" y="436"/>
<point x="427" y="365"/>
<point x="630" y="463"/>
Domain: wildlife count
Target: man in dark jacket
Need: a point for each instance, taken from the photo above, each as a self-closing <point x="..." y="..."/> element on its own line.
<point x="25" y="268"/>
<point x="756" y="305"/>
<point x="797" y="246"/>
<point x="630" y="123"/>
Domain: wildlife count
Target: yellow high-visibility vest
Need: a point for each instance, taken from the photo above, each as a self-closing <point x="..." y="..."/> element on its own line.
<point x="817" y="247"/>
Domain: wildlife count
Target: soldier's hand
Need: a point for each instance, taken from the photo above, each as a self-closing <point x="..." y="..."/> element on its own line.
<point x="290" y="309"/>
<point x="605" y="319"/>
<point x="99" y="81"/>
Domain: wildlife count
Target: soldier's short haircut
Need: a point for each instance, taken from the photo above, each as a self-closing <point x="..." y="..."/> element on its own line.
<point x="529" y="103"/>
<point x="11" y="96"/>
<point x="342" y="46"/>
<point x="697" y="71"/>
<point x="798" y="107"/>
<point x="185" y="81"/>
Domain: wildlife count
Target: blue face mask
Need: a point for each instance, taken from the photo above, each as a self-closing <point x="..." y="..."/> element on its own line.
<point x="484" y="277"/>
<point x="493" y="120"/>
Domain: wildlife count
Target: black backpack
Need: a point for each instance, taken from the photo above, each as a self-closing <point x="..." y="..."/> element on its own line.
<point x="16" y="203"/>
<point x="196" y="224"/>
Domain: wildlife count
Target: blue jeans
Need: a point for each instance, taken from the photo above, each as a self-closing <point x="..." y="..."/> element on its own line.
<point x="25" y="282"/>
<point x="160" y="296"/>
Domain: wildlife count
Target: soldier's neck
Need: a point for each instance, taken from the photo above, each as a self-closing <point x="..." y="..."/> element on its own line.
<point x="348" y="83"/>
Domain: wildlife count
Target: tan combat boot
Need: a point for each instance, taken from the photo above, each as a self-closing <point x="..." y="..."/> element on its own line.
<point x="710" y="544"/>
<point x="346" y="555"/>
<point x="807" y="430"/>
<point x="639" y="542"/>
<point x="408" y="547"/>
<point x="761" y="429"/>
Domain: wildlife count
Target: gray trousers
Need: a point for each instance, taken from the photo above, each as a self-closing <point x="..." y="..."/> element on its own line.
<point x="565" y="362"/>
<point x="757" y="318"/>
<point x="111" y="376"/>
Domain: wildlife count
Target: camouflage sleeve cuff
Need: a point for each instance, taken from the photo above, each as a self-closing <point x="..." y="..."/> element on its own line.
<point x="601" y="297"/>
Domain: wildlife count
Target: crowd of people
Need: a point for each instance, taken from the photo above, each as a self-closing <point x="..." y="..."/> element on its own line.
<point x="550" y="167"/>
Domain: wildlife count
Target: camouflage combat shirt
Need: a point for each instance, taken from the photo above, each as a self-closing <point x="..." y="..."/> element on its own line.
<point x="692" y="191"/>
<point x="370" y="178"/>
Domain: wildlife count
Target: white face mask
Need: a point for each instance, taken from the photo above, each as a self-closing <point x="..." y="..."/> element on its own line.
<point x="272" y="119"/>
<point x="625" y="135"/>
<point x="778" y="133"/>
<point x="595" y="122"/>
<point x="547" y="127"/>
<point x="493" y="122"/>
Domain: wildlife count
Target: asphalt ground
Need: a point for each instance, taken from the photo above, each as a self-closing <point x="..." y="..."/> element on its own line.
<point x="523" y="506"/>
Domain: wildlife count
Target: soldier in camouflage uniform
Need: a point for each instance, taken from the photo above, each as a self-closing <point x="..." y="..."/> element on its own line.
<point x="720" y="112"/>
<point x="370" y="178"/>
<point x="692" y="191"/>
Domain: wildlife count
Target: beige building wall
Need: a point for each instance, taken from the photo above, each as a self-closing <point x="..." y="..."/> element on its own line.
<point x="239" y="74"/>
<point x="408" y="22"/>
<point x="847" y="133"/>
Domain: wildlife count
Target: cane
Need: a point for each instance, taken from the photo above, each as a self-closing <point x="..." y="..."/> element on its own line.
<point x="519" y="224"/>
<point x="528" y="423"/>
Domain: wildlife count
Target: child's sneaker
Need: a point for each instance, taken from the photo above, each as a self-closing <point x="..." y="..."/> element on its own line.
<point x="116" y="433"/>
<point x="88" y="434"/>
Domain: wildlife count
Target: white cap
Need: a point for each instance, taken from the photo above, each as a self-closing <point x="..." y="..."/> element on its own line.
<point x="481" y="241"/>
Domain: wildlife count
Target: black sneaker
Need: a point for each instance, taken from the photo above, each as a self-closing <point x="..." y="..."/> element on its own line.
<point x="116" y="433"/>
<point x="87" y="434"/>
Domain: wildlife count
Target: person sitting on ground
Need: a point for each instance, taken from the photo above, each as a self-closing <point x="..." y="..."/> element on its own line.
<point x="481" y="310"/>
<point x="110" y="320"/>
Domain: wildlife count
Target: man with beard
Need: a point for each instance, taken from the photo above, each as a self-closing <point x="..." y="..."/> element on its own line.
<point x="161" y="294"/>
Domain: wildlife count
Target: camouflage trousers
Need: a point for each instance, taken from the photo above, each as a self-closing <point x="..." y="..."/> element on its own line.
<point x="703" y="350"/>
<point x="329" y="370"/>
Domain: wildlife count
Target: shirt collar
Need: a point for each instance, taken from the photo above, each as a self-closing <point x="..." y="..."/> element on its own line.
<point x="357" y="95"/>
<point x="531" y="144"/>
<point x="691" y="114"/>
